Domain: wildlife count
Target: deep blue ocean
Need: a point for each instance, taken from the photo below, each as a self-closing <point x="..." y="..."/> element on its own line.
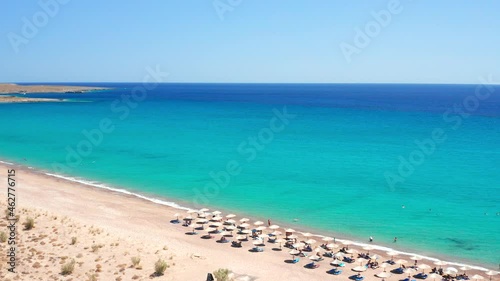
<point x="417" y="162"/>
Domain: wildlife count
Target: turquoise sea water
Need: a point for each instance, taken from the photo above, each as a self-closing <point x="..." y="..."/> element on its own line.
<point x="324" y="168"/>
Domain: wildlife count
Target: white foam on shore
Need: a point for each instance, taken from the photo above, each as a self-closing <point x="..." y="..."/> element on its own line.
<point x="177" y="206"/>
<point x="100" y="185"/>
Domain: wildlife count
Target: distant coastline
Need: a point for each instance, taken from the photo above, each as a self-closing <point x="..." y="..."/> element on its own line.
<point x="6" y="90"/>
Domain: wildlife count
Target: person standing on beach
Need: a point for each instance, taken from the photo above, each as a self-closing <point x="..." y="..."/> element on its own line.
<point x="268" y="222"/>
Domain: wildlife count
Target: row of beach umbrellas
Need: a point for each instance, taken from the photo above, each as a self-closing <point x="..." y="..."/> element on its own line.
<point x="230" y="225"/>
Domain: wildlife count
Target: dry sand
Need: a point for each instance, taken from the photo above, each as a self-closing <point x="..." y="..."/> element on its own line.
<point x="111" y="228"/>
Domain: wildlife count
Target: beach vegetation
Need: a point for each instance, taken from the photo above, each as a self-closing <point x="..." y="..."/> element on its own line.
<point x="29" y="223"/>
<point x="92" y="277"/>
<point x="68" y="268"/>
<point x="160" y="267"/>
<point x="222" y="274"/>
<point x="3" y="237"/>
<point x="136" y="261"/>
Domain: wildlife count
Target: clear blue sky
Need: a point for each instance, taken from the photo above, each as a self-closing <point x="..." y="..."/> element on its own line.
<point x="449" y="41"/>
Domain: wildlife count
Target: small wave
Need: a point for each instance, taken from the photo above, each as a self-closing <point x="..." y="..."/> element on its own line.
<point x="103" y="186"/>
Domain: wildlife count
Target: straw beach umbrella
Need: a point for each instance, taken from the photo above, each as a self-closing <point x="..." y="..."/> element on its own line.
<point x="409" y="271"/>
<point x="332" y="246"/>
<point x="440" y="263"/>
<point x="257" y="223"/>
<point x="244" y="220"/>
<point x="384" y="265"/>
<point x="310" y="241"/>
<point x="368" y="248"/>
<point x="280" y="241"/>
<point x="327" y="239"/>
<point x="423" y="267"/>
<point x="433" y="276"/>
<point x="401" y="262"/>
<point x="392" y="254"/>
<point x="230" y="216"/>
<point x="260" y="228"/>
<point x="276" y="233"/>
<point x="383" y="275"/>
<point x="204" y="210"/>
<point x="216" y="213"/>
<point x="451" y="270"/>
<point x="359" y="268"/>
<point x="315" y="258"/>
<point x="177" y="215"/>
<point x="477" y="277"/>
<point x="465" y="268"/>
<point x="336" y="262"/>
<point x="491" y="273"/>
<point x="361" y="260"/>
<point x="298" y="245"/>
<point x="258" y="242"/>
<point x="274" y="227"/>
<point x="244" y="225"/>
<point x="294" y="252"/>
<point x="351" y="251"/>
<point x="306" y="234"/>
<point x="216" y="218"/>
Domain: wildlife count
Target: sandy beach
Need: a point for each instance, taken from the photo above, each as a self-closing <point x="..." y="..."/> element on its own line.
<point x="111" y="228"/>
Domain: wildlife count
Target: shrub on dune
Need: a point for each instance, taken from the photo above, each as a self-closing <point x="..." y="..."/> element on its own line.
<point x="29" y="223"/>
<point x="222" y="274"/>
<point x="68" y="268"/>
<point x="160" y="267"/>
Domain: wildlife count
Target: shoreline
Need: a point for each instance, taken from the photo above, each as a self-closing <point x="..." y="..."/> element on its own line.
<point x="175" y="207"/>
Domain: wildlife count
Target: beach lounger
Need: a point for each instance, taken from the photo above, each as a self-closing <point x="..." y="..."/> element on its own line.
<point x="421" y="276"/>
<point x="312" y="265"/>
<point x="398" y="270"/>
<point x="334" y="271"/>
<point x="257" y="249"/>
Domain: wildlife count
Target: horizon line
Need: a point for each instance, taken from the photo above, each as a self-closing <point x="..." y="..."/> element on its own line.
<point x="256" y="83"/>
